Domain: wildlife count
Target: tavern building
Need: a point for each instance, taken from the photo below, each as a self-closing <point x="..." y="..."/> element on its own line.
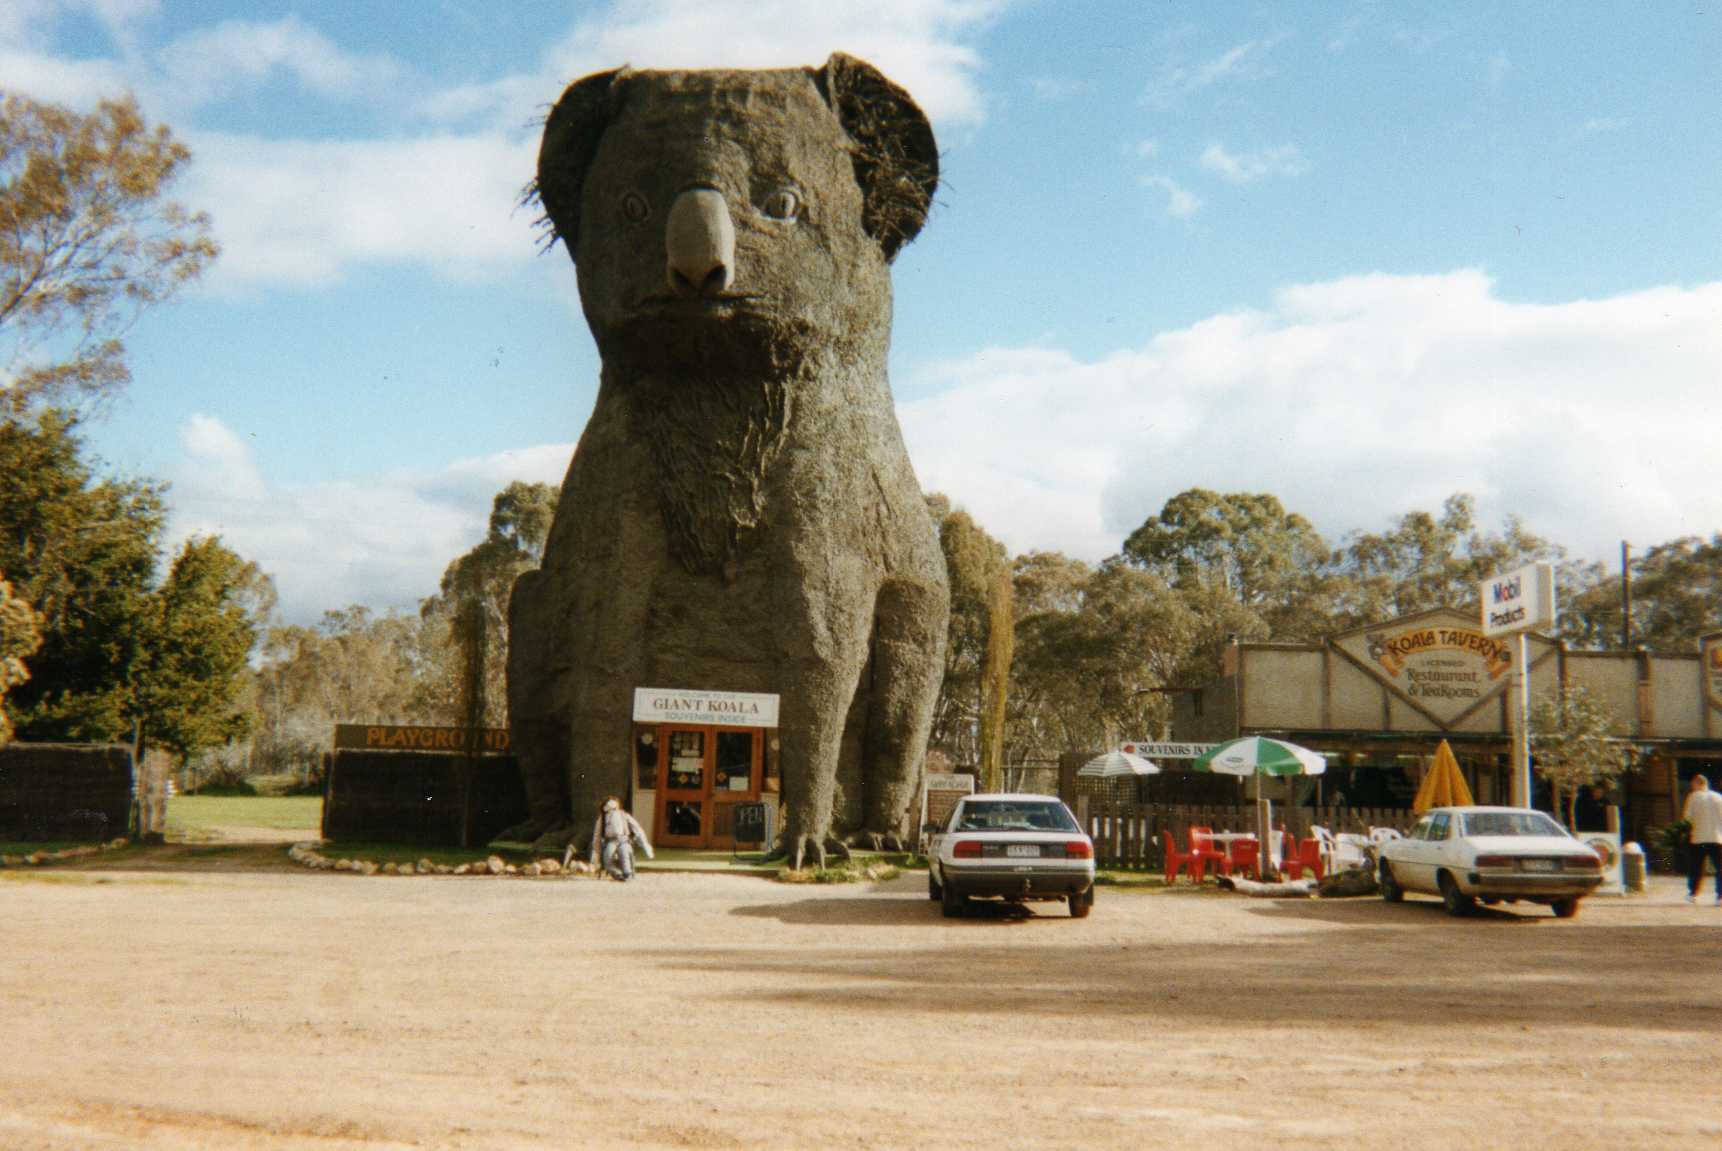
<point x="1377" y="700"/>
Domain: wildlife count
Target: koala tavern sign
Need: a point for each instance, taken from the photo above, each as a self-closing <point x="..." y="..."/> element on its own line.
<point x="1439" y="662"/>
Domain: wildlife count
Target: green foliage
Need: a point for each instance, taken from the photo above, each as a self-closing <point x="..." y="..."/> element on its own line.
<point x="470" y="609"/>
<point x="88" y="238"/>
<point x="192" y="679"/>
<point x="995" y="679"/>
<point x="1245" y="544"/>
<point x="975" y="562"/>
<point x="353" y="667"/>
<point x="1426" y="561"/>
<point x="1676" y="597"/>
<point x="848" y="871"/>
<point x="1669" y="845"/>
<point x="83" y="551"/>
<point x="1576" y="743"/>
<point x="20" y="636"/>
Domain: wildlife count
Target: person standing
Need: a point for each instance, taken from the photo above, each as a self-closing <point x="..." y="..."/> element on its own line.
<point x="1704" y="812"/>
<point x="613" y="840"/>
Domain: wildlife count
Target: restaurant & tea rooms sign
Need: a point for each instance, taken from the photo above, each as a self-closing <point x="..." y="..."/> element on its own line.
<point x="1439" y="662"/>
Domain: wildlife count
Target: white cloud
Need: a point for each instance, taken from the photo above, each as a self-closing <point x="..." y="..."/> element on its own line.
<point x="918" y="43"/>
<point x="58" y="80"/>
<point x="1180" y="201"/>
<point x="298" y="212"/>
<point x="383" y="541"/>
<point x="1238" y="62"/>
<point x="238" y="54"/>
<point x="1354" y="401"/>
<point x="1248" y="167"/>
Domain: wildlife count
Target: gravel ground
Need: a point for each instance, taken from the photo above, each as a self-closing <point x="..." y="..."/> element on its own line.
<point x="268" y="1008"/>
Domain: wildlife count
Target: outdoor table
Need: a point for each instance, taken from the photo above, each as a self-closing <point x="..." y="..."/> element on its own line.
<point x="1230" y="837"/>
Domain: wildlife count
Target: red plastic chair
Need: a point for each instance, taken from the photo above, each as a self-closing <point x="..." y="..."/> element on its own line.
<point x="1308" y="858"/>
<point x="1246" y="857"/>
<point x="1190" y="861"/>
<point x="1202" y="843"/>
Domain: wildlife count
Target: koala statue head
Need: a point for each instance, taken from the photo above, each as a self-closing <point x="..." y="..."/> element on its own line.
<point x="736" y="198"/>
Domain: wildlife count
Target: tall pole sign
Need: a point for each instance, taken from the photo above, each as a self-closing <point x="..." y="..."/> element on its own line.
<point x="1514" y="603"/>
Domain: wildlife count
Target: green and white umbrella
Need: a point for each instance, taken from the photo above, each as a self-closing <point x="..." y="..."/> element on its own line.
<point x="1258" y="755"/>
<point x="1117" y="765"/>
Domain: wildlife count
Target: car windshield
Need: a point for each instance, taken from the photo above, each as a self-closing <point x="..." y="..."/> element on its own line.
<point x="1016" y="815"/>
<point x="1511" y="823"/>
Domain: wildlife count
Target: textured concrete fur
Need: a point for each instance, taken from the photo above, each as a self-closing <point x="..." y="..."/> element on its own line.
<point x="740" y="513"/>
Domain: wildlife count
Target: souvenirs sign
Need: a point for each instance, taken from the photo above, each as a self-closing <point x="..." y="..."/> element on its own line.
<point x="1162" y="750"/>
<point x="717" y="708"/>
<point x="1710" y="647"/>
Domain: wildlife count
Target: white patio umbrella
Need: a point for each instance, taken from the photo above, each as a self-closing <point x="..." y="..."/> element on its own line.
<point x="1258" y="755"/>
<point x="1117" y="765"/>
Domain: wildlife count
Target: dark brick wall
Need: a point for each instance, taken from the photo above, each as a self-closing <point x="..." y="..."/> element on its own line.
<point x="421" y="797"/>
<point x="65" y="791"/>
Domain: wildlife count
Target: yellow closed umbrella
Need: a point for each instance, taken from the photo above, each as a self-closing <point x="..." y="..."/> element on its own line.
<point x="1444" y="785"/>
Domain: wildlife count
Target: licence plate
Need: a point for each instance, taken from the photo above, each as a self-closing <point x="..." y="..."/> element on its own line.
<point x="1021" y="850"/>
<point x="1537" y="864"/>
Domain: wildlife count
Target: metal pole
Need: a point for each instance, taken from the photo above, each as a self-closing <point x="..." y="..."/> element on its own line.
<point x="1522" y="728"/>
<point x="1625" y="596"/>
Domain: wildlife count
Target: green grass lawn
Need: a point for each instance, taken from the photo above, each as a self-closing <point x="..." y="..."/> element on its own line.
<point x="195" y="813"/>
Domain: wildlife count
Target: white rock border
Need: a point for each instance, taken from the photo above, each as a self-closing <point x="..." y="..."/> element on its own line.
<point x="83" y="851"/>
<point x="308" y="854"/>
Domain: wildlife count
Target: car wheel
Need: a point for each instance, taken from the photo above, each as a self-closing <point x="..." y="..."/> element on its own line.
<point x="1390" y="889"/>
<point x="1081" y="905"/>
<point x="952" y="903"/>
<point x="1456" y="901"/>
<point x="1564" y="908"/>
<point x="934" y="891"/>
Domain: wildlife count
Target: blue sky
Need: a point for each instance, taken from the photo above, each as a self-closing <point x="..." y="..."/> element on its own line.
<point x="1361" y="256"/>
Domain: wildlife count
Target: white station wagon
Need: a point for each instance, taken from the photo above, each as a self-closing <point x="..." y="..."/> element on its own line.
<point x="1012" y="846"/>
<point x="1492" y="854"/>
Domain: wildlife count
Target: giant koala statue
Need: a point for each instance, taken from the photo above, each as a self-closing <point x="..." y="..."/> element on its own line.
<point x="740" y="513"/>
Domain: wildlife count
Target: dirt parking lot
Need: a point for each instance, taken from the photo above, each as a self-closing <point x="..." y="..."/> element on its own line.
<point x="264" y="1007"/>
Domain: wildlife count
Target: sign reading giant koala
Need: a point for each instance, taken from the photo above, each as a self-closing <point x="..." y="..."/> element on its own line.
<point x="740" y="513"/>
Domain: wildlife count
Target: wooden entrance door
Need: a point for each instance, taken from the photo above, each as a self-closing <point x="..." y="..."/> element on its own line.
<point x="736" y="765"/>
<point x="702" y="774"/>
<point x="684" y="813"/>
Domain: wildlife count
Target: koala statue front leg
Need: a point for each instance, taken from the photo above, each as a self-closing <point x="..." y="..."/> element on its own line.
<point x="824" y="646"/>
<point x="908" y="663"/>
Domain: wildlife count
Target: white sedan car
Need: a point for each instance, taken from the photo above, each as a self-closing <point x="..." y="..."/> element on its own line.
<point x="1014" y="847"/>
<point x="1466" y="854"/>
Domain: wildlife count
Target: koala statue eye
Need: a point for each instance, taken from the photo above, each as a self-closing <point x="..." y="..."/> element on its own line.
<point x="635" y="208"/>
<point x="783" y="204"/>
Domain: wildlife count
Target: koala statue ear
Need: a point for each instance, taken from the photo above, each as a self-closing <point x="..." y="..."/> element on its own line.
<point x="571" y="134"/>
<point x="896" y="157"/>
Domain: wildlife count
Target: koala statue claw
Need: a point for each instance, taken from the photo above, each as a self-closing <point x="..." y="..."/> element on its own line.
<point x="740" y="513"/>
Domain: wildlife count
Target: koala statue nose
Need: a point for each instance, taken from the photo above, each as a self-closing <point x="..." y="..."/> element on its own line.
<point x="699" y="238"/>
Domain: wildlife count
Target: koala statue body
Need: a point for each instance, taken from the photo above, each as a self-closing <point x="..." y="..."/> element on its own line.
<point x="740" y="512"/>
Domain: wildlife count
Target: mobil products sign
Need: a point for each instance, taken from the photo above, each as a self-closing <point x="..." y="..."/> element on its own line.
<point x="1520" y="600"/>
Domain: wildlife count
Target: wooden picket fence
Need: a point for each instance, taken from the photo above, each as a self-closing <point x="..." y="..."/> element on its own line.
<point x="1126" y="834"/>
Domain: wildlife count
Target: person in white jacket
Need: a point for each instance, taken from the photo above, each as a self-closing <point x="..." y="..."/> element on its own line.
<point x="1704" y="812"/>
<point x="613" y="839"/>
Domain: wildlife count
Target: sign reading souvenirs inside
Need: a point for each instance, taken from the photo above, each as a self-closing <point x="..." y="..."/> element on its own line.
<point x="700" y="757"/>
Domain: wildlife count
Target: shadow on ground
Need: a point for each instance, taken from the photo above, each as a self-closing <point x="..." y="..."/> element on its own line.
<point x="1364" y="961"/>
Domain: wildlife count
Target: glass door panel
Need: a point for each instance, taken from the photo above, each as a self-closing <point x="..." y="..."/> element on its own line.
<point x="685" y="797"/>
